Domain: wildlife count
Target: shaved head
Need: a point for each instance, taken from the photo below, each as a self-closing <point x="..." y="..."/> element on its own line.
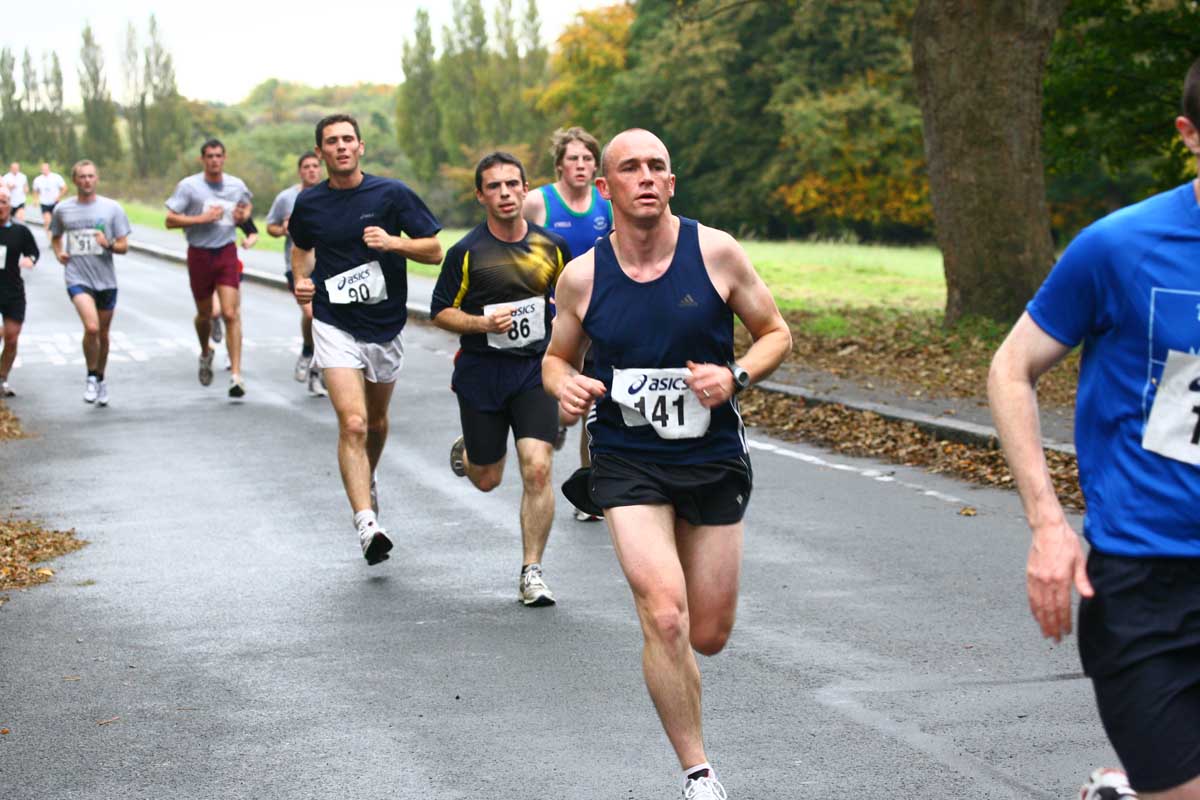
<point x="626" y="139"/>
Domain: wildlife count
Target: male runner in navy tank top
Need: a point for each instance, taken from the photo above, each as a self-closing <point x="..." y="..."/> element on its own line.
<point x="573" y="208"/>
<point x="669" y="462"/>
<point x="495" y="290"/>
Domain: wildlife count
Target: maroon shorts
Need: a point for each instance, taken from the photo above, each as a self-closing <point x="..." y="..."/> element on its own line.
<point x="208" y="267"/>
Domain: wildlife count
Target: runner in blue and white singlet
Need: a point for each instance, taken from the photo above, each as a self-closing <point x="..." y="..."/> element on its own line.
<point x="669" y="467"/>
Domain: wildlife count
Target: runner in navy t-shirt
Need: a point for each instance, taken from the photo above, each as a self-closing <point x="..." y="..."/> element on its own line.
<point x="657" y="300"/>
<point x="1128" y="288"/>
<point x="358" y="286"/>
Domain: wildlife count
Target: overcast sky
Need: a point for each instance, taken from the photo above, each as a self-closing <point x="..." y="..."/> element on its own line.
<point x="222" y="50"/>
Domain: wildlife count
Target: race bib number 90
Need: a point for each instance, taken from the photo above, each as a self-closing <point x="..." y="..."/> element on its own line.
<point x="529" y="323"/>
<point x="363" y="284"/>
<point x="1173" y="428"/>
<point x="662" y="399"/>
<point x="83" y="243"/>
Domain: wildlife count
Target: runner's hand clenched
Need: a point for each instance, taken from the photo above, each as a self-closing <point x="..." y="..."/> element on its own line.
<point x="712" y="383"/>
<point x="376" y="238"/>
<point x="576" y="395"/>
<point x="304" y="291"/>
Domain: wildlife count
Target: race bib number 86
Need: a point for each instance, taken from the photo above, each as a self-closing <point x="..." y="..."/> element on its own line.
<point x="1173" y="428"/>
<point x="529" y="323"/>
<point x="363" y="284"/>
<point x="662" y="399"/>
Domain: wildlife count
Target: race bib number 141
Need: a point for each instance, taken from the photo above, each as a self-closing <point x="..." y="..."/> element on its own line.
<point x="662" y="399"/>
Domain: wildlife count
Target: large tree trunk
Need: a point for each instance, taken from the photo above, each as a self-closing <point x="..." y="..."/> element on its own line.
<point x="979" y="67"/>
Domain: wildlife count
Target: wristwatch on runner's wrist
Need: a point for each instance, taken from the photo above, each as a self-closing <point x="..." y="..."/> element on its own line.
<point x="741" y="378"/>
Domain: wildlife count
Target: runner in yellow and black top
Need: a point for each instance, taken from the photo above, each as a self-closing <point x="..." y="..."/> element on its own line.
<point x="495" y="290"/>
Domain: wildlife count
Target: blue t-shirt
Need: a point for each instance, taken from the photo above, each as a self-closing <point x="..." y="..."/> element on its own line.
<point x="332" y="221"/>
<point x="581" y="230"/>
<point x="1128" y="287"/>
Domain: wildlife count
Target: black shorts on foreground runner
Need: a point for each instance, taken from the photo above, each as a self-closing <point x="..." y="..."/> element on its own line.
<point x="13" y="307"/>
<point x="714" y="493"/>
<point x="1139" y="640"/>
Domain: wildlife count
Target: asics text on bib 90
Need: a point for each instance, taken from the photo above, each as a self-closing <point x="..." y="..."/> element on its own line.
<point x="362" y="284"/>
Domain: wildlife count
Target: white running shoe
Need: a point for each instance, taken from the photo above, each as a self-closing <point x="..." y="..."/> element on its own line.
<point x="375" y="543"/>
<point x="206" y="373"/>
<point x="316" y="384"/>
<point x="6" y="390"/>
<point x="1106" y="784"/>
<point x="302" y="365"/>
<point x="532" y="589"/>
<point x="91" y="389"/>
<point x="237" y="387"/>
<point x="218" y="332"/>
<point x="583" y="516"/>
<point x="102" y="393"/>
<point x="704" y="788"/>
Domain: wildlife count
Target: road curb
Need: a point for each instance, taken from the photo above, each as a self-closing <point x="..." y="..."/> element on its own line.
<point x="941" y="428"/>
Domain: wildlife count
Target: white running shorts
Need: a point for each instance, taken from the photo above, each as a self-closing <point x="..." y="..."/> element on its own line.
<point x="333" y="347"/>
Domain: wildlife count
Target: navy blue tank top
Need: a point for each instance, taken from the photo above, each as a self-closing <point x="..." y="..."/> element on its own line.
<point x="675" y="318"/>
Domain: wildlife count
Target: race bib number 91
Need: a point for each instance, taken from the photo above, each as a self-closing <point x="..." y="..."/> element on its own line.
<point x="529" y="323"/>
<point x="662" y="399"/>
<point x="83" y="243"/>
<point x="363" y="284"/>
<point x="1173" y="428"/>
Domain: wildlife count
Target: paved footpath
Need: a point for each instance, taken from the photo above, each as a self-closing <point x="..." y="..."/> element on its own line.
<point x="221" y="636"/>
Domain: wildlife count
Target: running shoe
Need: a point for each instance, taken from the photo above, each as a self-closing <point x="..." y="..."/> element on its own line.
<point x="458" y="463"/>
<point x="375" y="543"/>
<point x="532" y="589"/>
<point x="6" y="390"/>
<point x="706" y="787"/>
<point x="302" y="366"/>
<point x="1106" y="784"/>
<point x="206" y="373"/>
<point x="374" y="494"/>
<point x="91" y="389"/>
<point x="102" y="393"/>
<point x="316" y="384"/>
<point x="561" y="439"/>
<point x="237" y="387"/>
<point x="218" y="331"/>
<point x="583" y="516"/>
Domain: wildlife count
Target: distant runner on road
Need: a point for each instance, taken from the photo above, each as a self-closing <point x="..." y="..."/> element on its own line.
<point x="18" y="185"/>
<point x="495" y="291"/>
<point x="85" y="231"/>
<point x="309" y="168"/>
<point x="209" y="206"/>
<point x="18" y="251"/>
<point x="50" y="188"/>
<point x="351" y="236"/>
<point x="573" y="208"/>
<point x="1128" y="289"/>
<point x="670" y="468"/>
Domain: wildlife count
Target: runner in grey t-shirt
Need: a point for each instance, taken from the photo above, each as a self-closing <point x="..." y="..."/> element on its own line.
<point x="85" y="231"/>
<point x="209" y="206"/>
<point x="309" y="168"/>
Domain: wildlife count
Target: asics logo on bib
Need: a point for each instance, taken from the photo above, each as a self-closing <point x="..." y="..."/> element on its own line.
<point x="522" y="311"/>
<point x="361" y="275"/>
<point x="659" y="384"/>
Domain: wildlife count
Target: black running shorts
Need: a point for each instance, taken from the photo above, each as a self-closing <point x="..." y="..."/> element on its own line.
<point x="533" y="414"/>
<point x="13" y="307"/>
<point x="1139" y="640"/>
<point x="713" y="493"/>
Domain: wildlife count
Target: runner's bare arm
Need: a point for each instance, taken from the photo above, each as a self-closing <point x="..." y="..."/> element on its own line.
<point x="427" y="250"/>
<point x="568" y="342"/>
<point x="458" y="321"/>
<point x="749" y="298"/>
<point x="303" y="262"/>
<point x="277" y="229"/>
<point x="534" y="207"/>
<point x="121" y="246"/>
<point x="56" y="244"/>
<point x="1055" y="554"/>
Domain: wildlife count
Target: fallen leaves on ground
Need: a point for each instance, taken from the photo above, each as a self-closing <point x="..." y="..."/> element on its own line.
<point x="863" y="433"/>
<point x="10" y="426"/>
<point x="24" y="544"/>
<point x="910" y="351"/>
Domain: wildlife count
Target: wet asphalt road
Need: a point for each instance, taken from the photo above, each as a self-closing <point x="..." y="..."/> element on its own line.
<point x="221" y="636"/>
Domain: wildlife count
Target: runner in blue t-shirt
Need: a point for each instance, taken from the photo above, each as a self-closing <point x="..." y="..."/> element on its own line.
<point x="573" y="208"/>
<point x="1128" y="288"/>
<point x="358" y="285"/>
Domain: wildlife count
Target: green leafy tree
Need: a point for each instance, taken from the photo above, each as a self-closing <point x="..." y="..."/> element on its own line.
<point x="166" y="122"/>
<point x="418" y="118"/>
<point x="100" y="140"/>
<point x="591" y="52"/>
<point x="12" y="122"/>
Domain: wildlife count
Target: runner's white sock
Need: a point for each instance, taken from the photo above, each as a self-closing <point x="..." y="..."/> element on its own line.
<point x="366" y="517"/>
<point x="698" y="771"/>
